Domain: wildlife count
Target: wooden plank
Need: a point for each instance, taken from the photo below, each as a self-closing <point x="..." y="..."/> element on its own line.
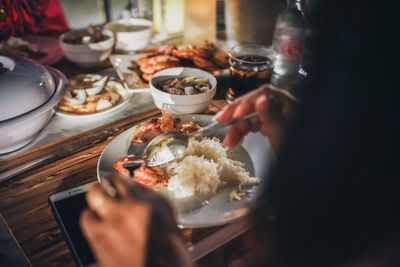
<point x="61" y="148"/>
<point x="23" y="198"/>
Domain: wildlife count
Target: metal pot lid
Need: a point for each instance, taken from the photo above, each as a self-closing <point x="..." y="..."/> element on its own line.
<point x="24" y="86"/>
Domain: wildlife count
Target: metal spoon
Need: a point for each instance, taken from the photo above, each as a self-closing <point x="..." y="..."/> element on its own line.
<point x="171" y="145"/>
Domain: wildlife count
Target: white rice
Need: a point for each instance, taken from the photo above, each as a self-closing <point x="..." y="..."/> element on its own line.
<point x="202" y="169"/>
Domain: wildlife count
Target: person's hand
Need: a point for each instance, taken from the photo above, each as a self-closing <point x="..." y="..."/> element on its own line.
<point x="274" y="109"/>
<point x="137" y="228"/>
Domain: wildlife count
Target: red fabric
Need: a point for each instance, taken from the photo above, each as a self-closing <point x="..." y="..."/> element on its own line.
<point x="19" y="17"/>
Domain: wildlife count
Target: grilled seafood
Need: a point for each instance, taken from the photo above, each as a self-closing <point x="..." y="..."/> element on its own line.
<point x="162" y="59"/>
<point x="187" y="127"/>
<point x="205" y="51"/>
<point x="153" y="68"/>
<point x="150" y="176"/>
<point x="153" y="128"/>
<point x="187" y="53"/>
<point x="153" y="176"/>
<point x="207" y="56"/>
<point x="204" y="63"/>
<point x="151" y="65"/>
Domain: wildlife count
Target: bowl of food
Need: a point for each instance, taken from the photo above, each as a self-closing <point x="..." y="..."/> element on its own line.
<point x="28" y="96"/>
<point x="131" y="34"/>
<point x="87" y="47"/>
<point x="183" y="90"/>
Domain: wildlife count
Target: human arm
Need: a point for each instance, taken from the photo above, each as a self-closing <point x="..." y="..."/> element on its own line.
<point x="275" y="110"/>
<point x="135" y="229"/>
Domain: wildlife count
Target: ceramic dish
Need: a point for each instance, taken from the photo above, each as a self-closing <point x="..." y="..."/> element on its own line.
<point x="88" y="54"/>
<point x="200" y="210"/>
<point x="28" y="98"/>
<point x="125" y="97"/>
<point x="182" y="104"/>
<point x="131" y="34"/>
<point x="97" y="114"/>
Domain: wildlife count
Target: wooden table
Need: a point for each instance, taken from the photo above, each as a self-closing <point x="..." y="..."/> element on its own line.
<point x="23" y="198"/>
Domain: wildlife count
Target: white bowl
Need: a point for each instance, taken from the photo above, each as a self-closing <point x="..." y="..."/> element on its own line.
<point x="182" y="104"/>
<point x="131" y="34"/>
<point x="90" y="54"/>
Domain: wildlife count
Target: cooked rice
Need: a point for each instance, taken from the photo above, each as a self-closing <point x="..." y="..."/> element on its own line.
<point x="202" y="169"/>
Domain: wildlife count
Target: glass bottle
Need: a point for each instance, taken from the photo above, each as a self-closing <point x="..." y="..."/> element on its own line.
<point x="288" y="44"/>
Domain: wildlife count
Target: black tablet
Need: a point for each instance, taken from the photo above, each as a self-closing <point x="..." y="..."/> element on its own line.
<point x="67" y="207"/>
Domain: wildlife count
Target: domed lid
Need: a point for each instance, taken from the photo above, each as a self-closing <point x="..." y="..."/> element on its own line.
<point x="24" y="86"/>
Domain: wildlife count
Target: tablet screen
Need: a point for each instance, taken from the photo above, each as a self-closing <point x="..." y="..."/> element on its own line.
<point x="68" y="210"/>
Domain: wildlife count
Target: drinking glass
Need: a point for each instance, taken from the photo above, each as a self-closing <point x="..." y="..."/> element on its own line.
<point x="250" y="67"/>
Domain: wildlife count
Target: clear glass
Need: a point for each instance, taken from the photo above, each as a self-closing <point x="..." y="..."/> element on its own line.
<point x="250" y="67"/>
<point x="200" y="21"/>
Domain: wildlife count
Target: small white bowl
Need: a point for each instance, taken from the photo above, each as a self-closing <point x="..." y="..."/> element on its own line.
<point x="182" y="104"/>
<point x="131" y="34"/>
<point x="90" y="54"/>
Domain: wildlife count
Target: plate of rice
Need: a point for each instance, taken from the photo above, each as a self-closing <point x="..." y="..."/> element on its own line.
<point x="209" y="186"/>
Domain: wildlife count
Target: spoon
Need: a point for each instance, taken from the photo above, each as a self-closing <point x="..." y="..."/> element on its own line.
<point x="171" y="145"/>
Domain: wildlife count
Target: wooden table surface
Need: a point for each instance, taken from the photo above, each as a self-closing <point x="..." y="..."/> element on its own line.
<point x="24" y="198"/>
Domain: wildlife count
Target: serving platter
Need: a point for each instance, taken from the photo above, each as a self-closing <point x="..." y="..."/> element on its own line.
<point x="115" y="108"/>
<point x="126" y="97"/>
<point x="195" y="57"/>
<point x="201" y="210"/>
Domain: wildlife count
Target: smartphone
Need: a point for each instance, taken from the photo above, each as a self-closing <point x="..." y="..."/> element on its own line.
<point x="67" y="207"/>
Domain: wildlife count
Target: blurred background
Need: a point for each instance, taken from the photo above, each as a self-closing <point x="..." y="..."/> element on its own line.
<point x="81" y="13"/>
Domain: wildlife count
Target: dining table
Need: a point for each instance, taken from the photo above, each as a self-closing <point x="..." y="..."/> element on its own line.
<point x="29" y="177"/>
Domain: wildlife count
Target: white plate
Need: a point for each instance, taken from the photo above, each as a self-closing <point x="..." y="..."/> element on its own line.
<point x="97" y="114"/>
<point x="191" y="212"/>
<point x="49" y="45"/>
<point x="122" y="102"/>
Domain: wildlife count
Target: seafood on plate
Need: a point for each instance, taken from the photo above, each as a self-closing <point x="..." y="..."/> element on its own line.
<point x="92" y="93"/>
<point x="204" y="167"/>
<point x="146" y="132"/>
<point x="150" y="176"/>
<point x="207" y="56"/>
